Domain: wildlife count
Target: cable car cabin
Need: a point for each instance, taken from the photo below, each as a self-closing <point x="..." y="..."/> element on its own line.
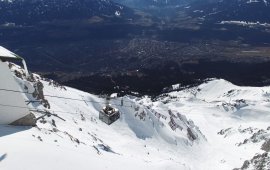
<point x="109" y="114"/>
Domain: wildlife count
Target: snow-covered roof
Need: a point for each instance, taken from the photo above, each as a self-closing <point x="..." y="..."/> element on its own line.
<point x="5" y="53"/>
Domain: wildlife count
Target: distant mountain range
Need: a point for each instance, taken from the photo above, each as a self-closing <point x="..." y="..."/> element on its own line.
<point x="33" y="11"/>
<point x="144" y="4"/>
<point x="210" y="10"/>
<point x="236" y="10"/>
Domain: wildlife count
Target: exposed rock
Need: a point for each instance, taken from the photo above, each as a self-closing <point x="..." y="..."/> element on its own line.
<point x="82" y="117"/>
<point x="191" y="135"/>
<point x="224" y="131"/>
<point x="18" y="74"/>
<point x="266" y="145"/>
<point x="55" y="84"/>
<point x="258" y="162"/>
<point x="260" y="135"/>
<point x="28" y="120"/>
<point x="38" y="94"/>
<point x="53" y="123"/>
<point x="39" y="138"/>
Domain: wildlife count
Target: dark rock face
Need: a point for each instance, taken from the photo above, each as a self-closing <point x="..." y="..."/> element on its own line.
<point x="266" y="146"/>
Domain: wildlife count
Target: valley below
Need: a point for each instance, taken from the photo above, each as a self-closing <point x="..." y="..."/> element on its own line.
<point x="135" y="84"/>
<point x="147" y="65"/>
<point x="116" y="48"/>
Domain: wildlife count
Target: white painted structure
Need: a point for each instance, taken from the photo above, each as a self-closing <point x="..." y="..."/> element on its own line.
<point x="5" y="54"/>
<point x="12" y="104"/>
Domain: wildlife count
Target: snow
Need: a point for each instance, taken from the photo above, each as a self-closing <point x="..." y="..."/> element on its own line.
<point x="246" y="23"/>
<point x="252" y="1"/>
<point x="265" y="2"/>
<point x="6" y="53"/>
<point x="219" y="114"/>
<point x="201" y="104"/>
<point x="176" y="86"/>
<point x="117" y="13"/>
<point x="257" y="1"/>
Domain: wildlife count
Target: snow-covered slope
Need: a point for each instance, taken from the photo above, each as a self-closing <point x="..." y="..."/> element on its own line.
<point x="235" y="121"/>
<point x="72" y="136"/>
<point x="212" y="126"/>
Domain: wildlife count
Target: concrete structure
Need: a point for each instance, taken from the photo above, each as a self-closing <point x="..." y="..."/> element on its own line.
<point x="12" y="104"/>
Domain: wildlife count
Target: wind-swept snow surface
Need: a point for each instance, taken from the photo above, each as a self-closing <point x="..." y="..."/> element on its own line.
<point x="216" y="125"/>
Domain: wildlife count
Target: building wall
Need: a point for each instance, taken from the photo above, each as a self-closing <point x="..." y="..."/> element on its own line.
<point x="12" y="105"/>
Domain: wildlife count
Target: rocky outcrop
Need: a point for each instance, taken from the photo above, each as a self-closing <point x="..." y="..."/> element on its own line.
<point x="28" y="120"/>
<point x="39" y="94"/>
<point x="258" y="162"/>
<point x="266" y="145"/>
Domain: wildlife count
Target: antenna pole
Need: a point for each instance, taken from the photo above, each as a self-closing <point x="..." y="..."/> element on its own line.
<point x="107" y="101"/>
